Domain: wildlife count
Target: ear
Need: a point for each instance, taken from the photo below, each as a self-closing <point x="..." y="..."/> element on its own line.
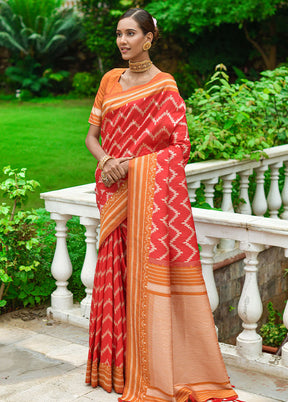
<point x="149" y="36"/>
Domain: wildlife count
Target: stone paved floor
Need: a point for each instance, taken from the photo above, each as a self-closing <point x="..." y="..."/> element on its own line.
<point x="45" y="361"/>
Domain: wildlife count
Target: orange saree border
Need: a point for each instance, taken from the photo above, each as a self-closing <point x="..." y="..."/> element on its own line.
<point x="141" y="189"/>
<point x="114" y="212"/>
<point x="155" y="304"/>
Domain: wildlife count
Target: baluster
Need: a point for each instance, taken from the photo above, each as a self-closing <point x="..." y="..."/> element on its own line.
<point x="249" y="343"/>
<point x="245" y="208"/>
<point x="227" y="206"/>
<point x="274" y="197"/>
<point x="259" y="203"/>
<point x="207" y="259"/>
<point x="89" y="265"/>
<point x="192" y="187"/>
<point x="284" y="193"/>
<point x="209" y="190"/>
<point x="61" y="298"/>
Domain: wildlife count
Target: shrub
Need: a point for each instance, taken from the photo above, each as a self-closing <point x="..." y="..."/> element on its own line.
<point x="234" y="120"/>
<point x="85" y="84"/>
<point x="17" y="238"/>
<point x="27" y="245"/>
<point x="274" y="331"/>
<point x="38" y="42"/>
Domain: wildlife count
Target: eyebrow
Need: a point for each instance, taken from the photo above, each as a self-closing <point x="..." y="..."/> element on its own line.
<point x="129" y="29"/>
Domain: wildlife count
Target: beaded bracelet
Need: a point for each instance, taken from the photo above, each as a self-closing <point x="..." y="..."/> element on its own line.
<point x="104" y="160"/>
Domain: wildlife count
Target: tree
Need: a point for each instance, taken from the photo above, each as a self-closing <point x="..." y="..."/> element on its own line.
<point x="191" y="18"/>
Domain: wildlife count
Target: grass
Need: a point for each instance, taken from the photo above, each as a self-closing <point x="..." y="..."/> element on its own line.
<point x="47" y="138"/>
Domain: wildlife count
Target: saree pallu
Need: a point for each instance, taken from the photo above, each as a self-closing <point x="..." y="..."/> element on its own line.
<point x="148" y="277"/>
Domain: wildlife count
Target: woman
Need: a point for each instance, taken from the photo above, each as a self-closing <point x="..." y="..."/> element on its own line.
<point x="150" y="321"/>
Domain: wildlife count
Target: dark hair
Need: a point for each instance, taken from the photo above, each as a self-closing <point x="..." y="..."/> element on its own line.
<point x="144" y="20"/>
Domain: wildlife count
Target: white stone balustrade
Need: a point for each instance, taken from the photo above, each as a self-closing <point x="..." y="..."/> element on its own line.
<point x="61" y="265"/>
<point x="210" y="172"/>
<point x="88" y="270"/>
<point x="253" y="233"/>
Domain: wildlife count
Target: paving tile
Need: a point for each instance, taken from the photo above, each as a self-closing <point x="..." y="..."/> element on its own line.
<point x="40" y="363"/>
<point x="12" y="335"/>
<point x="69" y="333"/>
<point x="261" y="384"/>
<point x="248" y="397"/>
<point x="43" y="343"/>
<point x="73" y="354"/>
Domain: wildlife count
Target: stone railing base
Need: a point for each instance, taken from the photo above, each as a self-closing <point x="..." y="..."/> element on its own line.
<point x="72" y="316"/>
<point x="265" y="364"/>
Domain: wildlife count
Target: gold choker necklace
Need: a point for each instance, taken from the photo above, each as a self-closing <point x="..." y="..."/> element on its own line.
<point x="140" y="66"/>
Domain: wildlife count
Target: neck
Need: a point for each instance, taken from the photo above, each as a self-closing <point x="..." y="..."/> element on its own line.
<point x="140" y="66"/>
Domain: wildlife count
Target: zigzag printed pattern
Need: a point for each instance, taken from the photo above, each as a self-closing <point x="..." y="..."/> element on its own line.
<point x="107" y="334"/>
<point x="144" y="133"/>
<point x="172" y="212"/>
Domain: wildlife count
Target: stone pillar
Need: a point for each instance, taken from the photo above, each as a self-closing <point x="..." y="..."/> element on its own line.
<point x="61" y="298"/>
<point x="249" y="343"/>
<point x="284" y="193"/>
<point x="274" y="197"/>
<point x="259" y="203"/>
<point x="89" y="265"/>
<point x="245" y="208"/>
<point x="192" y="187"/>
<point x="208" y="245"/>
<point x="209" y="190"/>
<point x="227" y="206"/>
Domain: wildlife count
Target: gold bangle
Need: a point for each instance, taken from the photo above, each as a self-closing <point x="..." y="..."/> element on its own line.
<point x="104" y="160"/>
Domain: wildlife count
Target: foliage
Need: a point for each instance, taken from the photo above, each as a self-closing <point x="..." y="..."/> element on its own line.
<point x="211" y="12"/>
<point x="85" y="84"/>
<point x="274" y="331"/>
<point x="27" y="245"/>
<point x="47" y="40"/>
<point x="77" y="249"/>
<point x="31" y="9"/>
<point x="175" y="17"/>
<point x="37" y="45"/>
<point x="17" y="237"/>
<point x="235" y="120"/>
<point x="27" y="74"/>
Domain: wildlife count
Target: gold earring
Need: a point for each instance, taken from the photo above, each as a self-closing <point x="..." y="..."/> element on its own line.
<point x="147" y="46"/>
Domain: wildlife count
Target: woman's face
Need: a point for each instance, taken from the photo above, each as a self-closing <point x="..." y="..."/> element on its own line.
<point x="130" y="40"/>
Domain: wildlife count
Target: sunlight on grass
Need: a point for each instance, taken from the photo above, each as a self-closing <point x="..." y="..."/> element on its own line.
<point x="47" y="138"/>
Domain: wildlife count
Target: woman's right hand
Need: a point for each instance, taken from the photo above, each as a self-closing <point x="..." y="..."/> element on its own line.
<point x="116" y="169"/>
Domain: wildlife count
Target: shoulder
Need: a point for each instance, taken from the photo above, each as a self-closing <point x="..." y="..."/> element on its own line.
<point x="112" y="74"/>
<point x="167" y="81"/>
<point x="167" y="75"/>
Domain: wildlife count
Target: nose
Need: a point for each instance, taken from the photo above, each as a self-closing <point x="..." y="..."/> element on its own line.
<point x="122" y="39"/>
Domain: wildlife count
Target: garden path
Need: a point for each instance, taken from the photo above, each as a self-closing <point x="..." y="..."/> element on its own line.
<point x="42" y="360"/>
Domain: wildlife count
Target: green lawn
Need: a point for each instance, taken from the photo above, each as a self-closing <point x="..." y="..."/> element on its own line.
<point x="48" y="139"/>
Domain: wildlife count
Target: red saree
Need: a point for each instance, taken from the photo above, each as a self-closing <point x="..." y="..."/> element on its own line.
<point x="148" y="277"/>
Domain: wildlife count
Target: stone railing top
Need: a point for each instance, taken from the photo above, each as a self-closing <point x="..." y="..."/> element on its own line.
<point x="205" y="169"/>
<point x="232" y="221"/>
<point x="225" y="223"/>
<point x="78" y="201"/>
<point x="81" y="195"/>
